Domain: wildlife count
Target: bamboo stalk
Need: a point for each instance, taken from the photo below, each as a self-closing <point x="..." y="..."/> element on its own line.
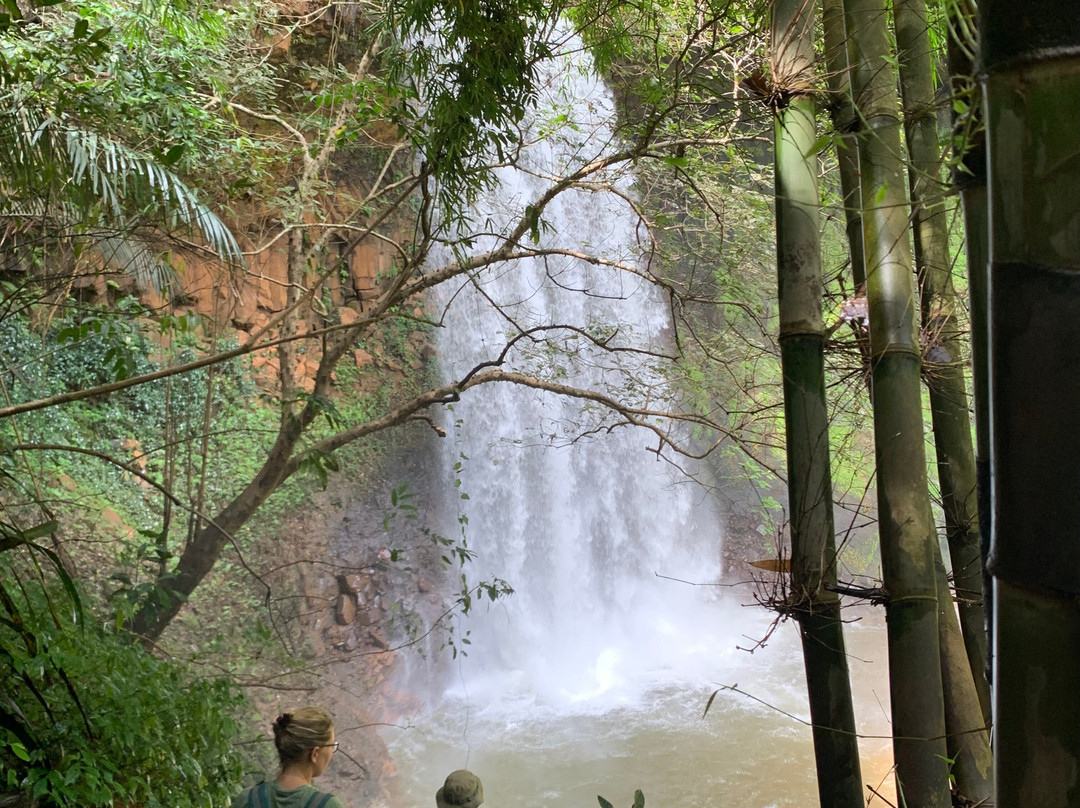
<point x="1031" y="78"/>
<point x="943" y="342"/>
<point x="802" y="342"/>
<point x="906" y="525"/>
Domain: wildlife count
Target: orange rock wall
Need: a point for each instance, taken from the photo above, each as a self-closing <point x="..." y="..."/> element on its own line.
<point x="240" y="301"/>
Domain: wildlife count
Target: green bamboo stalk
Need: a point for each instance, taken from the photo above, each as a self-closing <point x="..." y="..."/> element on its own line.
<point x="963" y="657"/>
<point x="1031" y="67"/>
<point x="943" y="367"/>
<point x="802" y="343"/>
<point x="970" y="180"/>
<point x="906" y="524"/>
<point x="845" y="124"/>
<point x="968" y="741"/>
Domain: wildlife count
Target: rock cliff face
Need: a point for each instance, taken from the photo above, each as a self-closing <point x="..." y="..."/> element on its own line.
<point x="363" y="606"/>
<point x="238" y="302"/>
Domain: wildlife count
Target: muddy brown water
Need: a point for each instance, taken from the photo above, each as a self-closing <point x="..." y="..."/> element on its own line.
<point x="752" y="749"/>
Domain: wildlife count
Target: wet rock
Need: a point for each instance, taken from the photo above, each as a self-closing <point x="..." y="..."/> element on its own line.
<point x="356" y="584"/>
<point x="345" y="646"/>
<point x="344" y="609"/>
<point x="348" y="584"/>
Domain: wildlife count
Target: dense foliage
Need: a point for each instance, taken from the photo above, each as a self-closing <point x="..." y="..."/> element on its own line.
<point x="90" y="719"/>
<point x="95" y="136"/>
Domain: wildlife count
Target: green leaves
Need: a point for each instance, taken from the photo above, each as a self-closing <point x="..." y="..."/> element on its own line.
<point x="639" y="800"/>
<point x="12" y="537"/>
<point x="319" y="464"/>
<point x="117" y="334"/>
<point x="105" y="107"/>
<point x="173" y="155"/>
<point x="87" y="718"/>
<point x="532" y="216"/>
<point x="823" y="143"/>
<point x="89" y="179"/>
<point x="473" y="68"/>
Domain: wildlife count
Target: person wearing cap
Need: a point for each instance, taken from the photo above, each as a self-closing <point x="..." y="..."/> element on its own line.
<point x="462" y="789"/>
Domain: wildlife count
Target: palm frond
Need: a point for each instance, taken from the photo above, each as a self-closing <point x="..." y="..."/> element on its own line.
<point x="121" y="248"/>
<point x="135" y="258"/>
<point x="45" y="157"/>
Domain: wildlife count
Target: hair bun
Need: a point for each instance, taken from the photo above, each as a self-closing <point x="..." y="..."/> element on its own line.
<point x="282" y="721"/>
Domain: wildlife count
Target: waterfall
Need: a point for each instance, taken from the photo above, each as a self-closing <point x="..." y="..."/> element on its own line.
<point x="580" y="526"/>
<point x="592" y="678"/>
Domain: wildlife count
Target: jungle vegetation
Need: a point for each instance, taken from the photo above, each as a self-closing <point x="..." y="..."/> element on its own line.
<point x="264" y="150"/>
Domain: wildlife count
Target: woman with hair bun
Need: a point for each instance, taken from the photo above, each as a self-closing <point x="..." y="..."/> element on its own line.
<point x="305" y="743"/>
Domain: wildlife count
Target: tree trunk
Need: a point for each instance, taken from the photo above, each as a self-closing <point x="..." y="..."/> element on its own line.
<point x="906" y="524"/>
<point x="1031" y="66"/>
<point x="802" y="341"/>
<point x="204" y="549"/>
<point x="943" y="368"/>
<point x="206" y="546"/>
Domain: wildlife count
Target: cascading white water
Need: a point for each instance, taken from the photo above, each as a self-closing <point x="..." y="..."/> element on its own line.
<point x="593" y="677"/>
<point x="578" y="529"/>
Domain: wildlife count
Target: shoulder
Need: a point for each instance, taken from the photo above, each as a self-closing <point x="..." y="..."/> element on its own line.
<point x="323" y="799"/>
<point x="245" y="798"/>
<point x="303" y="797"/>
